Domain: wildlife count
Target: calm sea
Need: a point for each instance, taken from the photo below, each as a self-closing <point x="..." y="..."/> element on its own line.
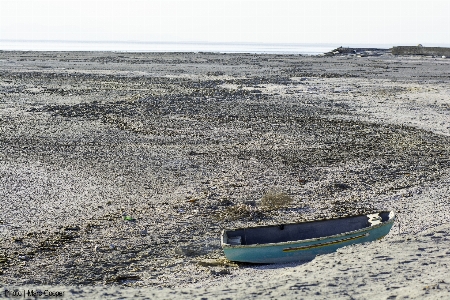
<point x="306" y="49"/>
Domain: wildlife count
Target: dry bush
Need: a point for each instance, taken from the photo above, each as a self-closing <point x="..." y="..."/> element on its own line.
<point x="241" y="211"/>
<point x="273" y="200"/>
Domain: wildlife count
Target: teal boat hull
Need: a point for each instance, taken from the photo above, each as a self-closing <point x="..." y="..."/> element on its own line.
<point x="303" y="250"/>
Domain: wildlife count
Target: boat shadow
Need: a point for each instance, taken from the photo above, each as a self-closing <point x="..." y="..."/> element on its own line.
<point x="255" y="266"/>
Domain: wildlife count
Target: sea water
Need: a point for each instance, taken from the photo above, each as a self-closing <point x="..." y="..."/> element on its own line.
<point x="133" y="46"/>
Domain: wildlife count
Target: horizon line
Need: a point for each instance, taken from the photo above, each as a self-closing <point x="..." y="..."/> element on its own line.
<point x="191" y="42"/>
<point x="341" y="44"/>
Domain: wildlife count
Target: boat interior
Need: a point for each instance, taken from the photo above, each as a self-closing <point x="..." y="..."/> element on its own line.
<point x="302" y="231"/>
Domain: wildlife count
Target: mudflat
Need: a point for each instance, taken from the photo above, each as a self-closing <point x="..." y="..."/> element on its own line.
<point x="118" y="171"/>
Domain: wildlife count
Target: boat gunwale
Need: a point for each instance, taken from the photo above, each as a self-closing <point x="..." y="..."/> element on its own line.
<point x="367" y="229"/>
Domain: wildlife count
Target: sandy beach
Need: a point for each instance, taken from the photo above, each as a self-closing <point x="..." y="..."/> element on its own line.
<point x="118" y="172"/>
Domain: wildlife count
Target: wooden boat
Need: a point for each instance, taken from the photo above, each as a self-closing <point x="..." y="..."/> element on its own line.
<point x="303" y="241"/>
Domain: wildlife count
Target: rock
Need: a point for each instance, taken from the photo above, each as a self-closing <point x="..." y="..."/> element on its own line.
<point x="220" y="272"/>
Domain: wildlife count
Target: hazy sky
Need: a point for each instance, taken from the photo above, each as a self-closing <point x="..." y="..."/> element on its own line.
<point x="276" y="21"/>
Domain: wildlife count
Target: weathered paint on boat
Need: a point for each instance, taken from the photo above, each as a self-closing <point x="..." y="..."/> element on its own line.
<point x="304" y="249"/>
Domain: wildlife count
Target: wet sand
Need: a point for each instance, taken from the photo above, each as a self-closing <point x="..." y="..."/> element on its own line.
<point x="119" y="170"/>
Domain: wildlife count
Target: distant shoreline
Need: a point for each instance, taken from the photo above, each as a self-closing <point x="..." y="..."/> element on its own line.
<point x="165" y="46"/>
<point x="396" y="50"/>
<point x="318" y="49"/>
